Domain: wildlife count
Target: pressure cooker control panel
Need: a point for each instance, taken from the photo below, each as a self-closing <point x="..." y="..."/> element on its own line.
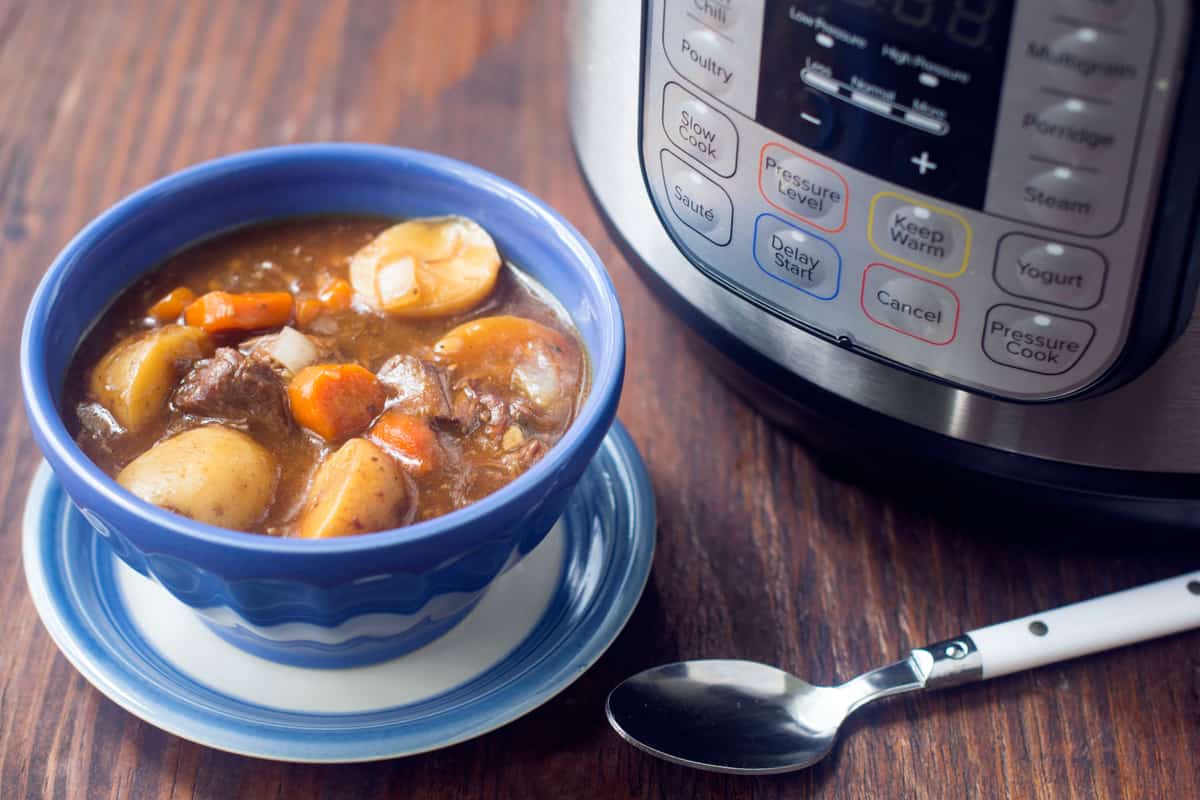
<point x="960" y="187"/>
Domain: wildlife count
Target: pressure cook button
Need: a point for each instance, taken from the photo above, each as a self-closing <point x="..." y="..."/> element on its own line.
<point x="1097" y="10"/>
<point x="916" y="307"/>
<point x="1086" y="60"/>
<point x="1073" y="131"/>
<point x="919" y="235"/>
<point x="698" y="202"/>
<point x="701" y="57"/>
<point x="1063" y="198"/>
<point x="699" y="130"/>
<point x="1062" y="274"/>
<point x="802" y="187"/>
<point x="795" y="257"/>
<point x="1035" y="341"/>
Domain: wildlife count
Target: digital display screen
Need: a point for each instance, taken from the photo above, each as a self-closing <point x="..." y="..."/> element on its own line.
<point x="907" y="90"/>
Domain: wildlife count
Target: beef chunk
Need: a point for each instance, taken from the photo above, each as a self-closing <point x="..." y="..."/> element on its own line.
<point x="524" y="455"/>
<point x="241" y="389"/>
<point x="419" y="388"/>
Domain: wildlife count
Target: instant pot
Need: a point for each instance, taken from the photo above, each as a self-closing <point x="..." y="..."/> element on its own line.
<point x="955" y="238"/>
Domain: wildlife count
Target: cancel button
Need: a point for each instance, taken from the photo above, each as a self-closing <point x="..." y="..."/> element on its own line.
<point x="916" y="307"/>
<point x="1035" y="341"/>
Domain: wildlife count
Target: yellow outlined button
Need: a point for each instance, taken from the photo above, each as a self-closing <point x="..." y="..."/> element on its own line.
<point x="919" y="235"/>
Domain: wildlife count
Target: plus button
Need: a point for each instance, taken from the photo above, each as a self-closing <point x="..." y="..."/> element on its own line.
<point x="922" y="163"/>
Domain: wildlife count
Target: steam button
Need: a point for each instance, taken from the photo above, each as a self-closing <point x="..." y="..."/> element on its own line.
<point x="698" y="202"/>
<point x="1064" y="198"/>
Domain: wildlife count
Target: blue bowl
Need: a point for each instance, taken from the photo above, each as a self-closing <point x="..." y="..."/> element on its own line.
<point x="338" y="602"/>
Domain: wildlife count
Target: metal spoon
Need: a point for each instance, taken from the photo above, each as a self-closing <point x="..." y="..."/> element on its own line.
<point x="745" y="717"/>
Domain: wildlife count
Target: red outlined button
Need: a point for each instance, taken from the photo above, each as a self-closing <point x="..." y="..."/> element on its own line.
<point x="909" y="304"/>
<point x="803" y="188"/>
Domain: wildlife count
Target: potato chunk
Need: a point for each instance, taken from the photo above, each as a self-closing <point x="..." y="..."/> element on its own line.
<point x="212" y="474"/>
<point x="135" y="378"/>
<point x="358" y="489"/>
<point x="426" y="268"/>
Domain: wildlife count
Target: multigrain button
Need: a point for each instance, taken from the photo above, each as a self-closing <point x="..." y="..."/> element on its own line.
<point x="1063" y="198"/>
<point x="914" y="306"/>
<point x="795" y="257"/>
<point x="1035" y="341"/>
<point x="699" y="130"/>
<point x="919" y="235"/>
<point x="698" y="202"/>
<point x="1076" y="132"/>
<point x="802" y="187"/>
<point x="705" y="60"/>
<point x="1096" y="10"/>
<point x="1052" y="272"/>
<point x="1086" y="60"/>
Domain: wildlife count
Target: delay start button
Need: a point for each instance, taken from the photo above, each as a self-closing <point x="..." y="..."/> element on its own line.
<point x="800" y="259"/>
<point x="1035" y="341"/>
<point x="917" y="307"/>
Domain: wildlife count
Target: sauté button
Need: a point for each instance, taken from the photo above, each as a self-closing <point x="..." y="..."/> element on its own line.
<point x="698" y="202"/>
<point x="795" y="257"/>
<point x="802" y="187"/>
<point x="1035" y="341"/>
<point x="919" y="235"/>
<point x="705" y="60"/>
<point x="916" y="307"/>
<point x="1053" y="272"/>
<point x="699" y="130"/>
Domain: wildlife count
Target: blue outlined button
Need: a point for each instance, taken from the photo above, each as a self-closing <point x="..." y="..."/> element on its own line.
<point x="796" y="257"/>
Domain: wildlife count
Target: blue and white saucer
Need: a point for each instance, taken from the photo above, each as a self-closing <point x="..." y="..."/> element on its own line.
<point x="539" y="627"/>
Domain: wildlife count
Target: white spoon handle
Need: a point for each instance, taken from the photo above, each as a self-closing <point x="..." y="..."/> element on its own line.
<point x="1114" y="620"/>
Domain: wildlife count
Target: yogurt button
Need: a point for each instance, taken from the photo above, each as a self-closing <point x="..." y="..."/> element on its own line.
<point x="1053" y="272"/>
<point x="796" y="258"/>
<point x="698" y="202"/>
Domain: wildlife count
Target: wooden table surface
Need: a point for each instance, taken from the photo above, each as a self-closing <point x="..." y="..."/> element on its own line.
<point x="761" y="555"/>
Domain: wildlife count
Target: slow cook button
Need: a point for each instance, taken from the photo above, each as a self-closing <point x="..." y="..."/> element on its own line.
<point x="803" y="188"/>
<point x="1062" y="274"/>
<point x="799" y="259"/>
<point x="702" y="58"/>
<point x="698" y="202"/>
<point x="1035" y="341"/>
<point x="916" y="307"/>
<point x="699" y="130"/>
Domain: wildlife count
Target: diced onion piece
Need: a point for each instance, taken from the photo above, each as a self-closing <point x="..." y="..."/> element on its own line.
<point x="292" y="349"/>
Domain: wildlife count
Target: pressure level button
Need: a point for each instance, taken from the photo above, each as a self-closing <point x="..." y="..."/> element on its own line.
<point x="803" y="187"/>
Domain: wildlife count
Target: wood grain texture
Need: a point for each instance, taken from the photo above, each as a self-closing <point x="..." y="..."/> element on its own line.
<point x="761" y="555"/>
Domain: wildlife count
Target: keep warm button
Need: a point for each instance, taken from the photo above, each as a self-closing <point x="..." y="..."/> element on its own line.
<point x="916" y="307"/>
<point x="1034" y="341"/>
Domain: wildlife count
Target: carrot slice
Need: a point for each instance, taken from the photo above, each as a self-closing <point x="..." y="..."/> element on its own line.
<point x="307" y="310"/>
<point x="336" y="294"/>
<point x="170" y="306"/>
<point x="335" y="400"/>
<point x="225" y="311"/>
<point x="410" y="438"/>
